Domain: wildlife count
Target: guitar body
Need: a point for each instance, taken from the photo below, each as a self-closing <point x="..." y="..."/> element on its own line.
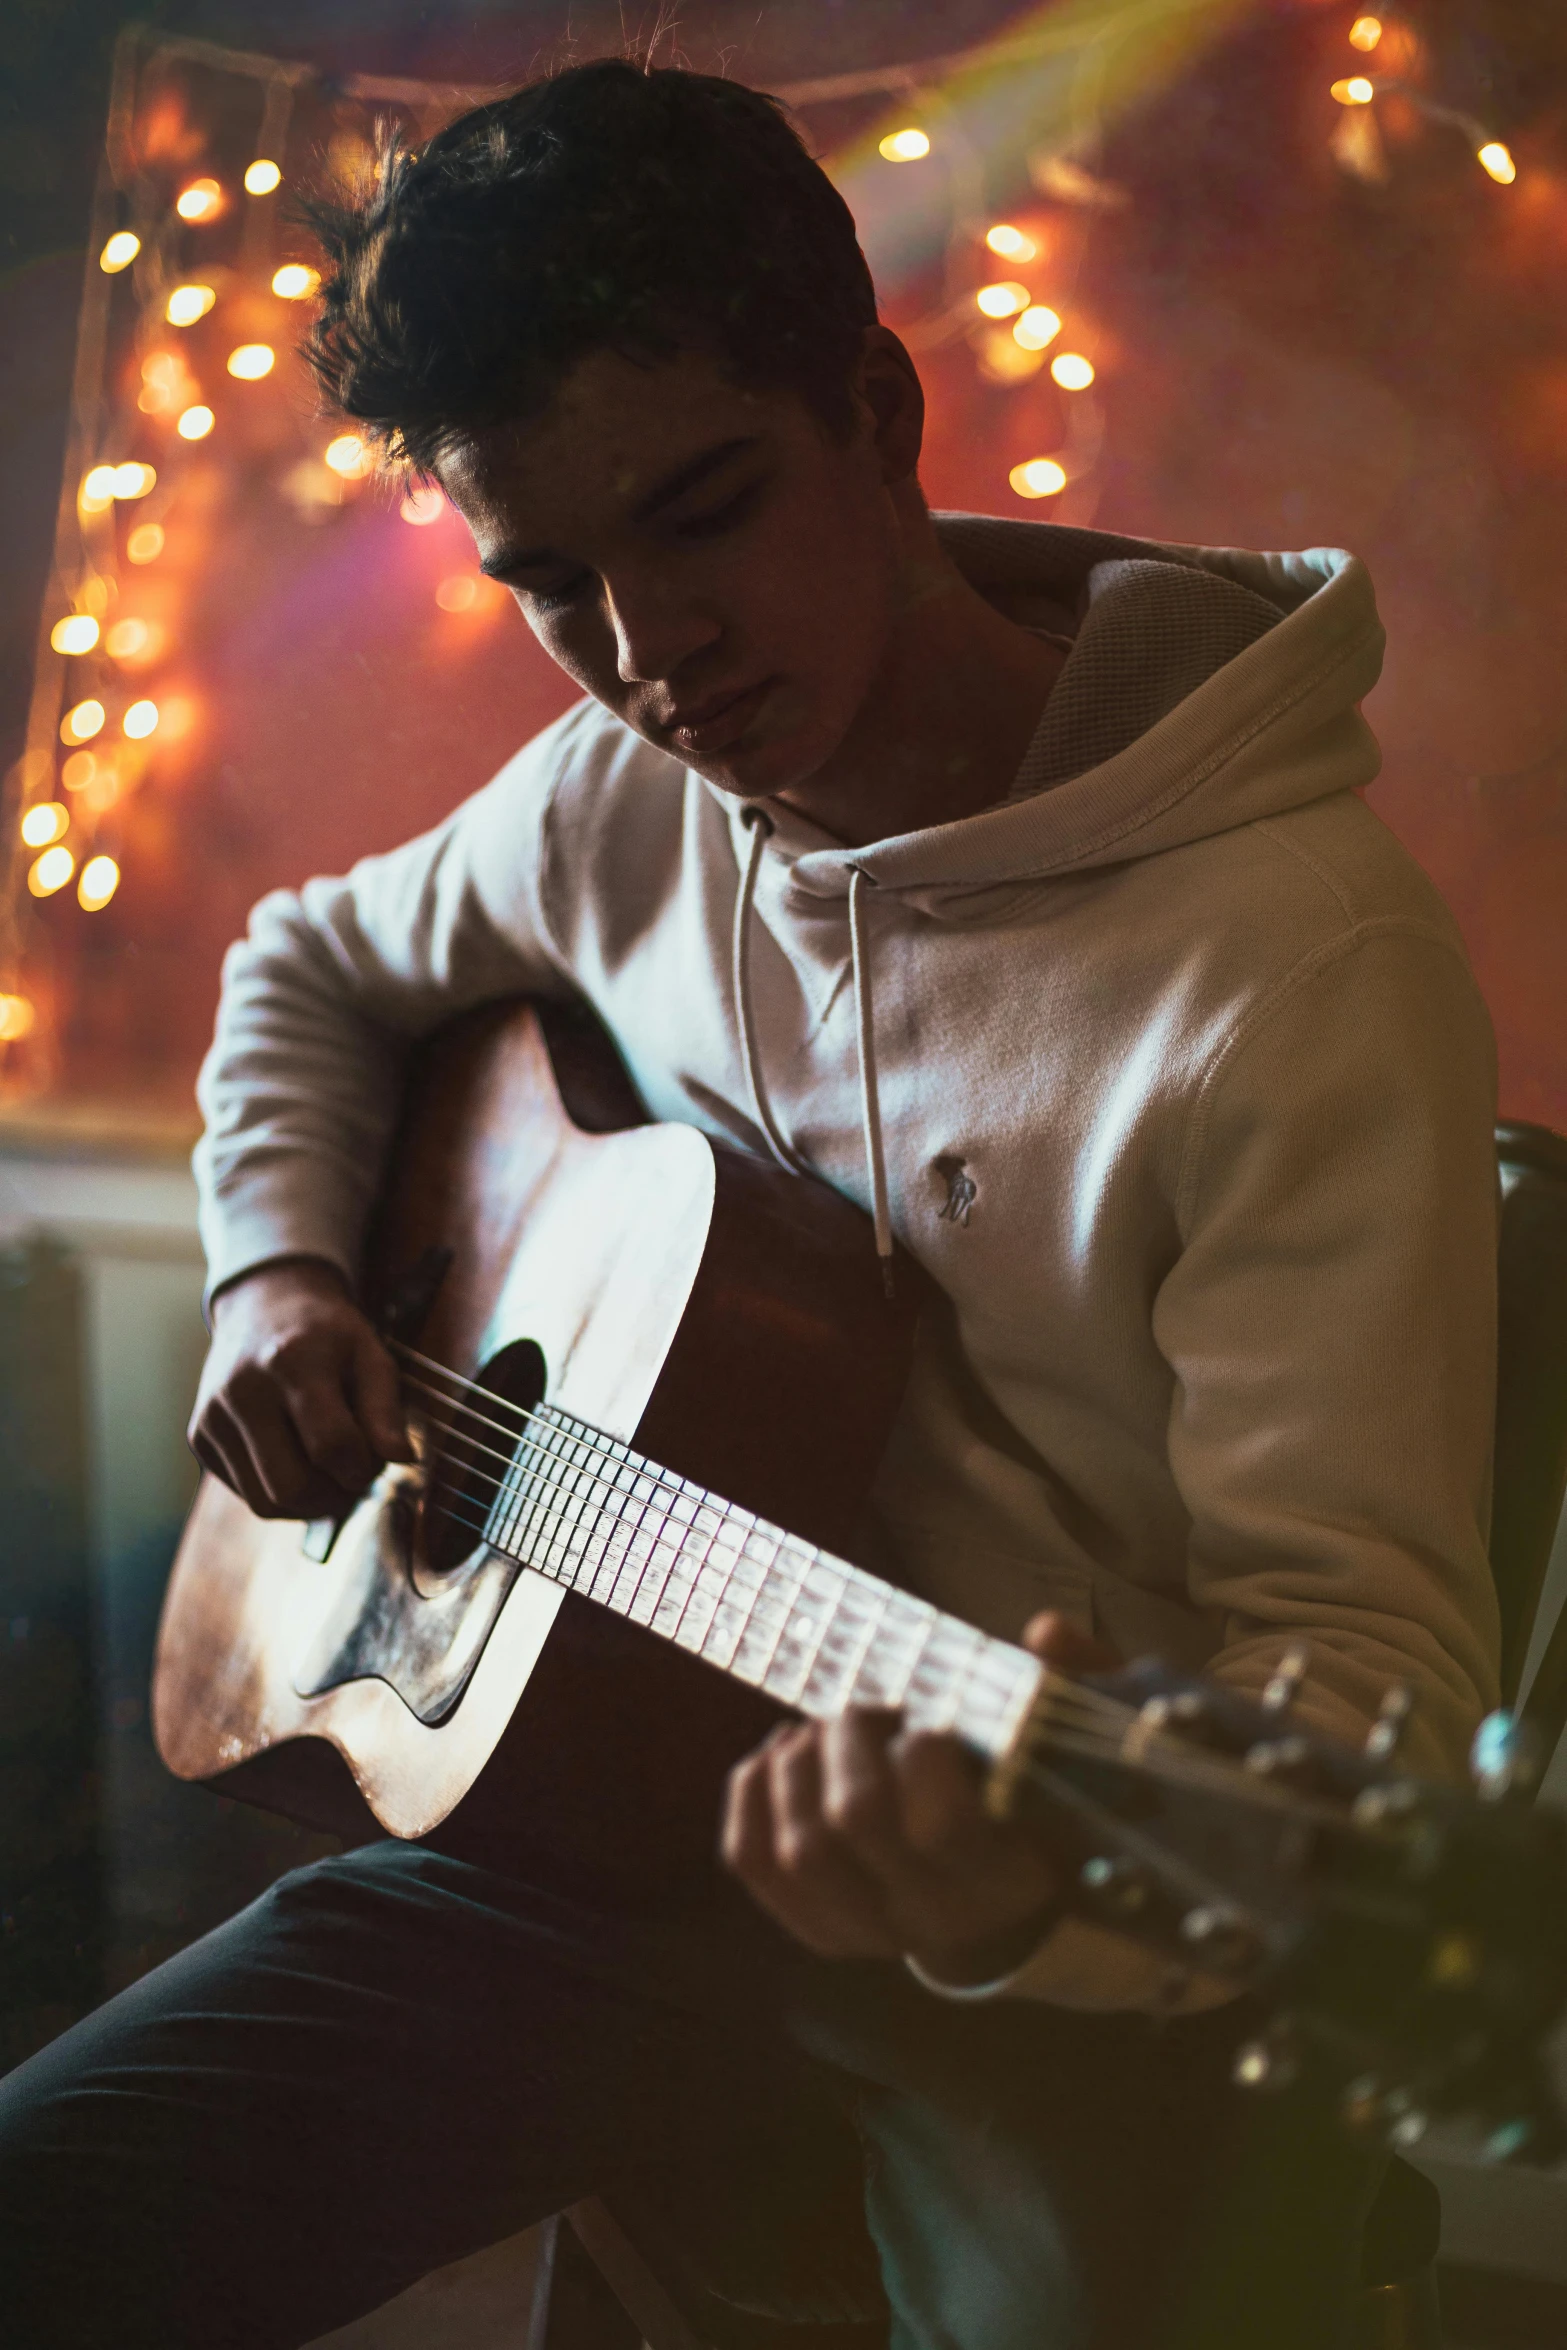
<point x="726" y="1318"/>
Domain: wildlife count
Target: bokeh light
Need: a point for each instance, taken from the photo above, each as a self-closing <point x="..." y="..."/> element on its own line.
<point x="1002" y="301"/>
<point x="251" y="361"/>
<point x="51" y="872"/>
<point x="145" y="543"/>
<point x="80" y="724"/>
<point x="422" y="505"/>
<point x="262" y="176"/>
<point x="119" y="252"/>
<point x="100" y="879"/>
<point x="195" y="423"/>
<point x="79" y="770"/>
<point x="45" y="821"/>
<point x="133" y="481"/>
<point x="457" y="594"/>
<point x="97" y="490"/>
<point x="1498" y="161"/>
<point x="127" y="639"/>
<point x="188" y="303"/>
<point x="202" y="200"/>
<point x="294" y="282"/>
<point x="1039" y="477"/>
<point x="18" y="1018"/>
<point x="140" y="720"/>
<point x="1356" y="91"/>
<point x="1072" y="371"/>
<point x="77" y="633"/>
<point x="1010" y="242"/>
<point x="905" y="146"/>
<point x="1037" y="328"/>
<point x="1365" y="32"/>
<point x="350" y="456"/>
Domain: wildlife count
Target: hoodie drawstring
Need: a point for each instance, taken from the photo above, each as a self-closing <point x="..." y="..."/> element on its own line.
<point x="759" y="826"/>
<point x="870" y="1099"/>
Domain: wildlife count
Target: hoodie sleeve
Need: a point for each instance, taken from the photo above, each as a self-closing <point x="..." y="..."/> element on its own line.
<point x="1331" y="1322"/>
<point x="329" y="989"/>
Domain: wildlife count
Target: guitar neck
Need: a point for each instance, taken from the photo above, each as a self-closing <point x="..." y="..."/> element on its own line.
<point x="779" y="1614"/>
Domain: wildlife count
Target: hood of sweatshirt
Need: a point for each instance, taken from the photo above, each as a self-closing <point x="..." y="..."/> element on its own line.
<point x="1205" y="688"/>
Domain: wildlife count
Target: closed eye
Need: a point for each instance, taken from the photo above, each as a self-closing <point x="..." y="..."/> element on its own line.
<point x="555" y="599"/>
<point x="718" y="519"/>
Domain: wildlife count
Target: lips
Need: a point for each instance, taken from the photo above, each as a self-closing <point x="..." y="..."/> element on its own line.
<point x="718" y="723"/>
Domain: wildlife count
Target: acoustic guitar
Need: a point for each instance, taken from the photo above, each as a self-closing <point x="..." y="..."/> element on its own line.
<point x="649" y="1381"/>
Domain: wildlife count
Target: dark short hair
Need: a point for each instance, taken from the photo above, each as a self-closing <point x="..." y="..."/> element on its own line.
<point x="605" y="207"/>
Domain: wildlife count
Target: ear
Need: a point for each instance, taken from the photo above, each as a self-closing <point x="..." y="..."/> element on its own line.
<point x="887" y="384"/>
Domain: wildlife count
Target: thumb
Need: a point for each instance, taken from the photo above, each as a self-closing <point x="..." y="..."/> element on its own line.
<point x="377" y="1396"/>
<point x="1057" y="1641"/>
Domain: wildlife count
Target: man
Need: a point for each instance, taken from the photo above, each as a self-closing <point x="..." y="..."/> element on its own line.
<point x="1011" y="880"/>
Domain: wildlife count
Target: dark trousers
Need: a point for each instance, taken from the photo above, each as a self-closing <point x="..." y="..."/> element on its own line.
<point x="395" y="2058"/>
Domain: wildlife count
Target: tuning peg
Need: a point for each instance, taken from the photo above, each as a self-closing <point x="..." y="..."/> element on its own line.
<point x="1382" y="1740"/>
<point x="1283" y="1689"/>
<point x="1507" y="1757"/>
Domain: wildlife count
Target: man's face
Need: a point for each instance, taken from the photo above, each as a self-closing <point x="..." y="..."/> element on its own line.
<point x="706" y="561"/>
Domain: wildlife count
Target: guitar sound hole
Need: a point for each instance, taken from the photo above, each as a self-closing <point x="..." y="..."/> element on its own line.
<point x="473" y="1450"/>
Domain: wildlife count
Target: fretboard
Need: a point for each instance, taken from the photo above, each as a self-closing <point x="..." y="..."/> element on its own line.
<point x="809" y="1629"/>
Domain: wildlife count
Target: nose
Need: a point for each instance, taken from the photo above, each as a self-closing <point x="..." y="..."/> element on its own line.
<point x="656" y="629"/>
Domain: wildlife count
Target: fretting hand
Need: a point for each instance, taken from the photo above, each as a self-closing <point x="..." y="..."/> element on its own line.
<point x="865" y="1840"/>
<point x="298" y="1407"/>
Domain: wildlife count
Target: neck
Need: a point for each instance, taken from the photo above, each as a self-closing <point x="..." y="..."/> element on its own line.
<point x="951" y="710"/>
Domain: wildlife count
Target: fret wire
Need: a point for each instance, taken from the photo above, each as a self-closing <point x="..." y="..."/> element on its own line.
<point x="563" y="1503"/>
<point x="745" y="1620"/>
<point x="783" y="1625"/>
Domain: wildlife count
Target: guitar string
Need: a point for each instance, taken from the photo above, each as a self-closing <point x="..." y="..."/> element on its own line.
<point x="1089" y="1738"/>
<point x="652" y="1474"/>
<point x="628" y="1464"/>
<point x="1095" y="1709"/>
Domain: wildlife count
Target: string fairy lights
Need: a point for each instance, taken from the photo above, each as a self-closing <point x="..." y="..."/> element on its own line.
<point x="191" y="309"/>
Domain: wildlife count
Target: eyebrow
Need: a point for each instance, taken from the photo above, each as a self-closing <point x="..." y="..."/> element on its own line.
<point x="664" y="493"/>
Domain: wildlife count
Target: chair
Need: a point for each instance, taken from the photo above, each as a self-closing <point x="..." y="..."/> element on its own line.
<point x="668" y="2308"/>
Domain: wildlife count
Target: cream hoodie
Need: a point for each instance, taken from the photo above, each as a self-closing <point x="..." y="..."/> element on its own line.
<point x="1169" y="1069"/>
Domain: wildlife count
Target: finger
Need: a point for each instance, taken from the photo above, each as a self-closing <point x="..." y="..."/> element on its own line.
<point x="376" y="1389"/>
<point x="834" y="1924"/>
<point x="834" y="1903"/>
<point x="284" y="1481"/>
<point x="312" y="1394"/>
<point x="205" y="1436"/>
<point x="941" y="1801"/>
<point x="860" y="1798"/>
<point x="1057" y="1641"/>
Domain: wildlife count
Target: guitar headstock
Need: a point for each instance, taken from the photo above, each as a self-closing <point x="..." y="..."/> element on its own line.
<point x="1409" y="1936"/>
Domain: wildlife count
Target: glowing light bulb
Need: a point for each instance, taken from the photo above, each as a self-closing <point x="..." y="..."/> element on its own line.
<point x="1072" y="371"/>
<point x="1498" y="161"/>
<point x="457" y="595"/>
<point x="77" y="633"/>
<point x="1037" y="327"/>
<point x="83" y="722"/>
<point x="126" y="639"/>
<point x="1002" y="301"/>
<point x="194" y="424"/>
<point x="1356" y="91"/>
<point x="133" y="481"/>
<point x="423" y="505"/>
<point x="145" y="543"/>
<point x="18" y="1018"/>
<point x="262" y="176"/>
<point x="188" y="303"/>
<point x="97" y="490"/>
<point x="100" y="879"/>
<point x="51" y="871"/>
<point x="44" y="822"/>
<point x="1010" y="242"/>
<point x="140" y="720"/>
<point x="294" y="282"/>
<point x="905" y="146"/>
<point x="119" y="252"/>
<point x="202" y="200"/>
<point x="252" y="361"/>
<point x="1365" y="32"/>
<point x="349" y="456"/>
<point x="1040" y="477"/>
